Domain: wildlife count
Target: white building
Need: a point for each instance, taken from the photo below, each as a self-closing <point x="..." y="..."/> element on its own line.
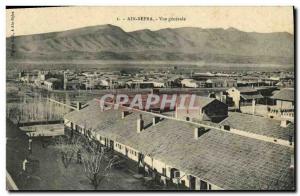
<point x="190" y="83"/>
<point x="182" y="152"/>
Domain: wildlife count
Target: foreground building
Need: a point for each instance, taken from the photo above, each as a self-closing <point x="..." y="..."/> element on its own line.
<point x="243" y="96"/>
<point x="284" y="105"/>
<point x="284" y="98"/>
<point x="197" y="156"/>
<point x="206" y="109"/>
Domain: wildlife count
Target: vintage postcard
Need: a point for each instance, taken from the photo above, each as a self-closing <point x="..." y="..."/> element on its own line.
<point x="150" y="98"/>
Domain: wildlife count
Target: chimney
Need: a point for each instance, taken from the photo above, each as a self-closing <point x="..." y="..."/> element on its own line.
<point x="78" y="105"/>
<point x="140" y="124"/>
<point x="198" y="131"/>
<point x="124" y="114"/>
<point x="155" y="120"/>
<point x="221" y="96"/>
<point x="101" y="108"/>
<point x="226" y="127"/>
<point x="284" y="123"/>
<point x="292" y="165"/>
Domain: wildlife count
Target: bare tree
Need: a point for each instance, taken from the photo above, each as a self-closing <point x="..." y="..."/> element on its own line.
<point x="96" y="165"/>
<point x="96" y="162"/>
<point x="67" y="146"/>
<point x="15" y="113"/>
<point x="96" y="168"/>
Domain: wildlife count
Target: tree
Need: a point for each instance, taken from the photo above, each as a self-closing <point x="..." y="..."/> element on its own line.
<point x="96" y="165"/>
<point x="15" y="113"/>
<point x="96" y="162"/>
<point x="67" y="146"/>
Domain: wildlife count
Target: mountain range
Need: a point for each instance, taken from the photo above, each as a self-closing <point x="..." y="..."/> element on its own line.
<point x="109" y="42"/>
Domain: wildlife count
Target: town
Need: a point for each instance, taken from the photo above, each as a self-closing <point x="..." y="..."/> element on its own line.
<point x="90" y="80"/>
<point x="239" y="136"/>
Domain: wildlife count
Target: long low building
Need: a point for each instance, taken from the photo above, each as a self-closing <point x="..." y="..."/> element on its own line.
<point x="193" y="155"/>
<point x="279" y="130"/>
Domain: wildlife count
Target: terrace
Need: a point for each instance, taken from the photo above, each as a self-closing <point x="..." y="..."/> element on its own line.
<point x="279" y="113"/>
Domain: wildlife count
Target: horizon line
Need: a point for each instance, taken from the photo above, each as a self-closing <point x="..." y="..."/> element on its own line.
<point x="108" y="24"/>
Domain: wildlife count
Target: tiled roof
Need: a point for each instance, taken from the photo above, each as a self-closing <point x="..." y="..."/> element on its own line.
<point x="250" y="97"/>
<point x="246" y="89"/>
<point x="227" y="160"/>
<point x="201" y="101"/>
<point x="286" y="94"/>
<point x="258" y="125"/>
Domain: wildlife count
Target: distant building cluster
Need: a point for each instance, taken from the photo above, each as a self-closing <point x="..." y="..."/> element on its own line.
<point x="268" y="94"/>
<point x="71" y="80"/>
<point x="240" y="136"/>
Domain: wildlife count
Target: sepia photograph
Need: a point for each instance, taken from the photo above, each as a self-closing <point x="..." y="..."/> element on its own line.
<point x="150" y="98"/>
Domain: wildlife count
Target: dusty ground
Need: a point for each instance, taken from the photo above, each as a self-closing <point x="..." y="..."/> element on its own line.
<point x="52" y="175"/>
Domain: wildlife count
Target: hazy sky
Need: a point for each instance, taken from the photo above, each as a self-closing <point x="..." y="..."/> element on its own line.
<point x="41" y="20"/>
